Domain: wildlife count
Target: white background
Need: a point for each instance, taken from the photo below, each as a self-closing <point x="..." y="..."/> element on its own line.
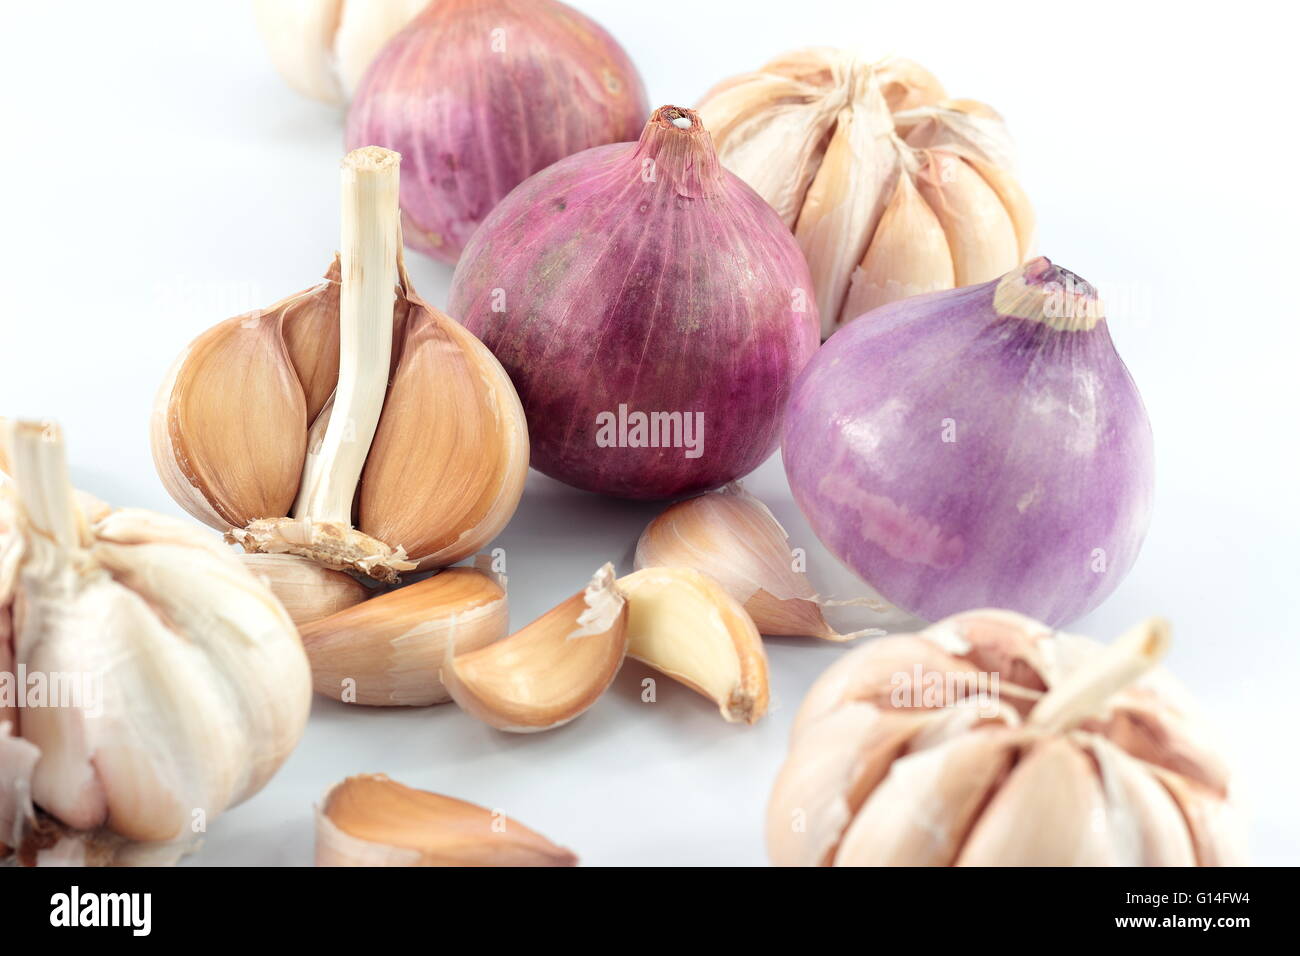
<point x="158" y="176"/>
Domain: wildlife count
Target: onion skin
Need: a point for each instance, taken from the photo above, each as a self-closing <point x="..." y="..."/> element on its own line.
<point x="1040" y="497"/>
<point x="597" y="285"/>
<point x="477" y="95"/>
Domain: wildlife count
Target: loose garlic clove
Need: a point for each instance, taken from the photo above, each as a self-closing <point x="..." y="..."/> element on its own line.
<point x="308" y="591"/>
<point x="978" y="226"/>
<point x="908" y="255"/>
<point x="683" y="623"/>
<point x="358" y="402"/>
<point x="388" y="651"/>
<point x="733" y="537"/>
<point x="549" y="672"/>
<point x="370" y="820"/>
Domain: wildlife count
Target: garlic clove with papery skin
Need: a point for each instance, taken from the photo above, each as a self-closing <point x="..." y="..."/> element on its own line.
<point x="549" y="672"/>
<point x="683" y="623"/>
<point x="370" y="820"/>
<point x="308" y="591"/>
<point x="371" y="433"/>
<point x="733" y="537"/>
<point x="192" y="686"/>
<point x="388" y="651"/>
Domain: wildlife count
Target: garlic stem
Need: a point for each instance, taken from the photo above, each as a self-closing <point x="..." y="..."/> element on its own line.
<point x="40" y="470"/>
<point x="1085" y="692"/>
<point x="371" y="237"/>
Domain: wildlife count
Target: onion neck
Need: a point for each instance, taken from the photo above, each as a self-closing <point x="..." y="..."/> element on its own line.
<point x="675" y="148"/>
<point x="1042" y="291"/>
<point x="368" y="261"/>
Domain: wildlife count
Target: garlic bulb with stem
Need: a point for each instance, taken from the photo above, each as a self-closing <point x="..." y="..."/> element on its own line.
<point x="323" y="47"/>
<point x="417" y="448"/>
<point x="370" y="820"/>
<point x="388" y="650"/>
<point x="733" y="537"/>
<point x="989" y="739"/>
<point x="188" y="685"/>
<point x="683" y="623"/>
<point x="891" y="188"/>
<point x="547" y="673"/>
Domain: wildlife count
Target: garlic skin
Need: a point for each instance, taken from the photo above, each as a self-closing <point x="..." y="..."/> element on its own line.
<point x="1044" y="768"/>
<point x="388" y="651"/>
<point x="370" y="820"/>
<point x="551" y="671"/>
<point x="891" y="188"/>
<point x="349" y="391"/>
<point x="733" y="537"/>
<point x="174" y="639"/>
<point x="683" y="623"/>
<point x="308" y="591"/>
<point x="322" y="47"/>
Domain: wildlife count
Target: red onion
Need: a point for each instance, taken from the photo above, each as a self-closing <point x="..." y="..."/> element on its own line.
<point x="477" y="95"/>
<point x="979" y="447"/>
<point x="642" y="279"/>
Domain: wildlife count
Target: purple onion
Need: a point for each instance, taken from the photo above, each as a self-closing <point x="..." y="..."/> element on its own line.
<point x="642" y="279"/>
<point x="477" y="95"/>
<point x="979" y="447"/>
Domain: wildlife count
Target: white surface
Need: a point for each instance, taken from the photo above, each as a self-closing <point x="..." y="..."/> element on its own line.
<point x="158" y="176"/>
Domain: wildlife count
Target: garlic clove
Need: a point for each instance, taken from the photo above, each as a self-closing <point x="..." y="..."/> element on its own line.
<point x="307" y="590"/>
<point x="744" y="118"/>
<point x="549" y="672"/>
<point x="1015" y="200"/>
<point x="452" y="418"/>
<point x="683" y="623"/>
<point x="1218" y="837"/>
<point x="1145" y="823"/>
<point x="1047" y="813"/>
<point x="957" y="777"/>
<point x="980" y="235"/>
<point x="370" y="820"/>
<point x="848" y="196"/>
<point x="906" y="84"/>
<point x="733" y="537"/>
<point x="300" y="38"/>
<point x="388" y="650"/>
<point x="363" y="30"/>
<point x="908" y="255"/>
<point x="231" y="451"/>
<point x="311" y="337"/>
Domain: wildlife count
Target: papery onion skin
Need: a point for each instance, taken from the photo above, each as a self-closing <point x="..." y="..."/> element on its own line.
<point x="477" y="95"/>
<point x="957" y="456"/>
<point x="642" y="275"/>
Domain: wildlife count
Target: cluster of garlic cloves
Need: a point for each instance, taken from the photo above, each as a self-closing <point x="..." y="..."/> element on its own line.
<point x="370" y="820"/>
<point x="733" y="537"/>
<point x="165" y="636"/>
<point x="367" y="431"/>
<point x="989" y="739"/>
<point x="892" y="189"/>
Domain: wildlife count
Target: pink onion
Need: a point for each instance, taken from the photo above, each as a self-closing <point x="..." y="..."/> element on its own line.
<point x="979" y="447"/>
<point x="477" y="95"/>
<point x="642" y="279"/>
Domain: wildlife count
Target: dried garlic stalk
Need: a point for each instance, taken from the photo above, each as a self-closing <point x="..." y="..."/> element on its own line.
<point x="351" y="424"/>
<point x="891" y="188"/>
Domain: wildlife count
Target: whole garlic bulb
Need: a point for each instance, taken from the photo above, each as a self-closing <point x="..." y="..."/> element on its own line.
<point x="322" y="47"/>
<point x="183" y="683"/>
<point x="891" y="188"/>
<point x="988" y="739"/>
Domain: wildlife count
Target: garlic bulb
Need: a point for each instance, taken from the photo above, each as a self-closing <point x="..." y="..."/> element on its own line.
<point x="988" y="739"/>
<point x="548" y="673"/>
<point x="387" y="651"/>
<point x="369" y="431"/>
<point x="370" y="820"/>
<point x="683" y="623"/>
<point x="308" y="591"/>
<point x="186" y="684"/>
<point x="322" y="47"/>
<point x="891" y="188"/>
<point x="733" y="537"/>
